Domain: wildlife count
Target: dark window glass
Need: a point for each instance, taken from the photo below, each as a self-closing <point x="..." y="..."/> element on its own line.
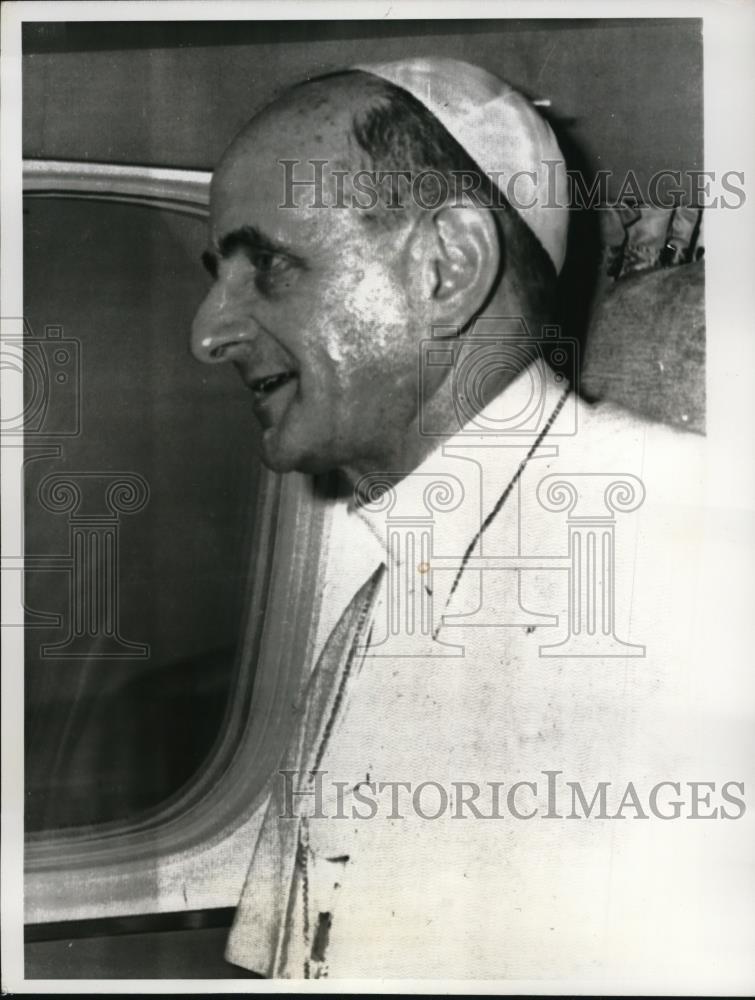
<point x="141" y="485"/>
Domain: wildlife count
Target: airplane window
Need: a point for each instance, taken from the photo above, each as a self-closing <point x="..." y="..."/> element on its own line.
<point x="141" y="487"/>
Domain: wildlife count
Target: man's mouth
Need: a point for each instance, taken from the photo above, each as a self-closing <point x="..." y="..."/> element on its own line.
<point x="267" y="385"/>
<point x="272" y="395"/>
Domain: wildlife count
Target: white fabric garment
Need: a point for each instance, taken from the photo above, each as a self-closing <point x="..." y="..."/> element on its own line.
<point x="536" y="666"/>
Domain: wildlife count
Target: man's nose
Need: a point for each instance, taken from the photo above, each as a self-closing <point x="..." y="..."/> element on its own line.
<point x="217" y="334"/>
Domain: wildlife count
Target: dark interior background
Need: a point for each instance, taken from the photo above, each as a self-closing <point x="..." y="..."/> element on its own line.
<point x="106" y="738"/>
<point x="628" y="92"/>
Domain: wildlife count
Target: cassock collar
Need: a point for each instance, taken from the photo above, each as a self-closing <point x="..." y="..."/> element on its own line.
<point x="459" y="483"/>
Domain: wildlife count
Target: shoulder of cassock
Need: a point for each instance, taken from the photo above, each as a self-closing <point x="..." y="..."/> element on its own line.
<point x="461" y="897"/>
<point x="493" y="677"/>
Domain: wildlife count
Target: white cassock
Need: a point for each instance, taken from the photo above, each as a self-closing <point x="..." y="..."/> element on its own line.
<point x="590" y="661"/>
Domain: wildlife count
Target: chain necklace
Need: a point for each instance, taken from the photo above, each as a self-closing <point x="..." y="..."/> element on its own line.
<point x="504" y="497"/>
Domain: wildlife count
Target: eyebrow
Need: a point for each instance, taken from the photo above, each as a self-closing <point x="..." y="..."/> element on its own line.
<point x="248" y="239"/>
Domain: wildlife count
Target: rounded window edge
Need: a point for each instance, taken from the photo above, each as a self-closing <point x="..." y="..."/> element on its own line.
<point x="221" y="797"/>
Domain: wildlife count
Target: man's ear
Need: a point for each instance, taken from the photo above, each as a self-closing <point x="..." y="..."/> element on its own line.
<point x="464" y="262"/>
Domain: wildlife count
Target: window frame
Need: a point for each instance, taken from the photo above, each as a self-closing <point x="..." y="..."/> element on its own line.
<point x="193" y="850"/>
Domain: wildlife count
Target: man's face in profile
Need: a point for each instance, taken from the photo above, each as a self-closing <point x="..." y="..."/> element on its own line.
<point x="316" y="307"/>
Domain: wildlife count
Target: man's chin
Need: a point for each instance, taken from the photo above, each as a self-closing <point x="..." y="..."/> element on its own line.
<point x="279" y="458"/>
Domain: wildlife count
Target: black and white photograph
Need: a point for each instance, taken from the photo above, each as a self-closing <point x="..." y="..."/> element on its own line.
<point x="378" y="552"/>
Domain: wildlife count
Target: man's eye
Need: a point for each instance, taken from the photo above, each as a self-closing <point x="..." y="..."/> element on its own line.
<point x="268" y="263"/>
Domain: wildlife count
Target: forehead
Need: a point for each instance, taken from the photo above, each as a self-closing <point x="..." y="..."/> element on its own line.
<point x="281" y="168"/>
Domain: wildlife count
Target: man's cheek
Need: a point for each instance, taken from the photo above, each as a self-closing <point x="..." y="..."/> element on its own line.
<point x="376" y="304"/>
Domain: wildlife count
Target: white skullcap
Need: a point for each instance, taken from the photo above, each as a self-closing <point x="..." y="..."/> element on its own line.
<point x="502" y="132"/>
